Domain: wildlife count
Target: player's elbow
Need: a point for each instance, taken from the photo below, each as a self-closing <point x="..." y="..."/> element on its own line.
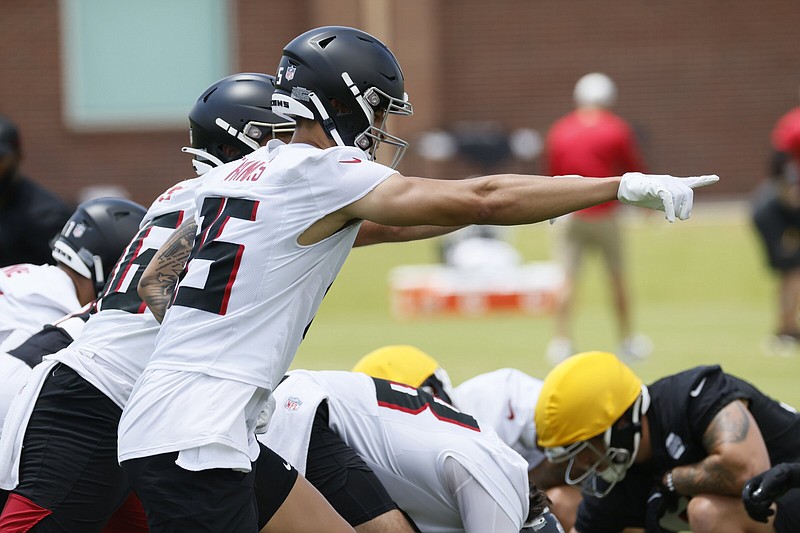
<point x="489" y="207"/>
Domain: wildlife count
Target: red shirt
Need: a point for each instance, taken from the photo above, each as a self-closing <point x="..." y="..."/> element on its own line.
<point x="786" y="135"/>
<point x="593" y="143"/>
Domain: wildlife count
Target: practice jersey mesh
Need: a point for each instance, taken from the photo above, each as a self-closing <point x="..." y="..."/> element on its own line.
<point x="32" y="296"/>
<point x="404" y="435"/>
<point x="250" y="290"/>
<point x="115" y="344"/>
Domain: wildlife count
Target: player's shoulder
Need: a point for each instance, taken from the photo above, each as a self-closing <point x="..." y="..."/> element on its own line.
<point x="700" y="381"/>
<point x="36" y="283"/>
<point x="29" y="274"/>
<point x="174" y="194"/>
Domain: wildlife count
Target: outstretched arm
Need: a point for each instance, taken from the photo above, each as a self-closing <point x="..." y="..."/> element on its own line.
<point x="508" y="199"/>
<point x="158" y="282"/>
<point x="372" y="233"/>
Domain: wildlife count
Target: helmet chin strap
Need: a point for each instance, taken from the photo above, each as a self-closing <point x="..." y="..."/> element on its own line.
<point x="233" y="132"/>
<point x="99" y="275"/>
<point x="327" y="123"/>
<point x="365" y="106"/>
<point x="201" y="167"/>
<point x="623" y="442"/>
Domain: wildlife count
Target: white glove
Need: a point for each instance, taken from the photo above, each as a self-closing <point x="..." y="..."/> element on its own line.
<point x="662" y="192"/>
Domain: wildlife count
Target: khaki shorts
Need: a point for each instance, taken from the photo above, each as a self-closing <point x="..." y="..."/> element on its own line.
<point x="575" y="235"/>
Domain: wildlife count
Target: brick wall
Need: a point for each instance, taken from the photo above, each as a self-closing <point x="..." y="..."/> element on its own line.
<point x="703" y="82"/>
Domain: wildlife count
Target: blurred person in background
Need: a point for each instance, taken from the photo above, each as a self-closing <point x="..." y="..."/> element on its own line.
<point x="593" y="141"/>
<point x="776" y="216"/>
<point x="30" y="216"/>
<point x="673" y="455"/>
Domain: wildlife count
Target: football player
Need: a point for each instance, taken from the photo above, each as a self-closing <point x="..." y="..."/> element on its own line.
<point x="85" y="252"/>
<point x="444" y="469"/>
<point x="58" y="448"/>
<point x="33" y="296"/>
<point x="673" y="455"/>
<point x="274" y="230"/>
<point x="504" y="399"/>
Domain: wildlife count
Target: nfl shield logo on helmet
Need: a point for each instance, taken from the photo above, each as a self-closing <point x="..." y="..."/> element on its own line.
<point x="290" y="70"/>
<point x="293" y="403"/>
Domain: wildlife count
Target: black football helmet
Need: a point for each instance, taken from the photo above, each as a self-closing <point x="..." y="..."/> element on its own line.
<point x="347" y="81"/>
<point x="95" y="236"/>
<point x="232" y="118"/>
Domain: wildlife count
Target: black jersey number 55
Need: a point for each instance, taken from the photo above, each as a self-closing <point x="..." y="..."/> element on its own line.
<point x="225" y="256"/>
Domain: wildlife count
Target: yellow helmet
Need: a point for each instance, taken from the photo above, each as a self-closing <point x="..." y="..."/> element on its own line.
<point x="407" y="365"/>
<point x="588" y="395"/>
<point x="582" y="397"/>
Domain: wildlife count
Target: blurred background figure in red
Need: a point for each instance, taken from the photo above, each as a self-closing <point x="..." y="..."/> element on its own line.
<point x="593" y="141"/>
<point x="776" y="215"/>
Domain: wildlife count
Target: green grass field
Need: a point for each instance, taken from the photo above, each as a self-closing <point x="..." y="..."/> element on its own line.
<point x="701" y="291"/>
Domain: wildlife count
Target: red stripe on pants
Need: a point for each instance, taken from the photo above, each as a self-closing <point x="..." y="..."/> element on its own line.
<point x="20" y="515"/>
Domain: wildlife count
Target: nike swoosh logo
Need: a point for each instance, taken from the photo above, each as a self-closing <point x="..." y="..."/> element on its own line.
<point x="287" y="466"/>
<point x="654" y="496"/>
<point x="354" y="160"/>
<point x="695" y="392"/>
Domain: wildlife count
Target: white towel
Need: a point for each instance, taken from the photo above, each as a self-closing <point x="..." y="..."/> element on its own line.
<point x="17" y="422"/>
<point x="289" y="430"/>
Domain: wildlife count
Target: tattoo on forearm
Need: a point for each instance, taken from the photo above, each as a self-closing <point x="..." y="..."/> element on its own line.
<point x="730" y="426"/>
<point x="707" y="476"/>
<point x="162" y="274"/>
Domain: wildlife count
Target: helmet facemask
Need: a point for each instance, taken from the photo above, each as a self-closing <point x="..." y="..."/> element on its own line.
<point x="438" y="384"/>
<point x="377" y="106"/>
<point x="252" y="135"/>
<point x="613" y="456"/>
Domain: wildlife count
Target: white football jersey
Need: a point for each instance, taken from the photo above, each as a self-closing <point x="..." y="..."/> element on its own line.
<point x="249" y="291"/>
<point x="14" y="371"/>
<point x="111" y="350"/>
<point x="32" y="296"/>
<point x="404" y="435"/>
<point x="505" y="399"/>
<point x="13" y="375"/>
